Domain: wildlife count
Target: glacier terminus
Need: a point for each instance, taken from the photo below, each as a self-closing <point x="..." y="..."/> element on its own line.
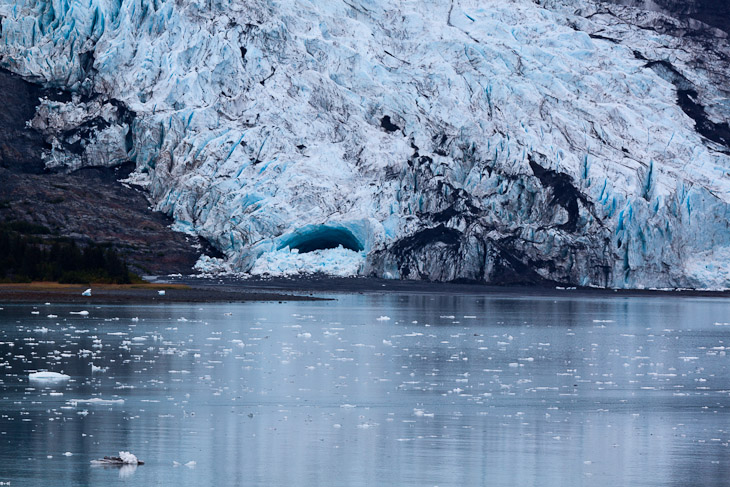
<point x="558" y="141"/>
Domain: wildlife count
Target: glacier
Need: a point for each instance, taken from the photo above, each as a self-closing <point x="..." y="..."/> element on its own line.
<point x="580" y="143"/>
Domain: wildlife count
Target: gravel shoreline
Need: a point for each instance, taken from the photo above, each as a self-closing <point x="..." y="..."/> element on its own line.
<point x="329" y="286"/>
<point x="188" y="289"/>
<point x="127" y="295"/>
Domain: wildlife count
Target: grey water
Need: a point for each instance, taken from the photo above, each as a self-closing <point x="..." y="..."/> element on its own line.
<point x="374" y="389"/>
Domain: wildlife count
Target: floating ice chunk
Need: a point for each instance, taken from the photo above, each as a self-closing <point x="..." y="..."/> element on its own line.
<point x="388" y="342"/>
<point x="68" y="454"/>
<point x="128" y="458"/>
<point x="161" y="292"/>
<point x="80" y="313"/>
<point x="383" y="318"/>
<point x="124" y="458"/>
<point x="48" y="376"/>
<point x="87" y="292"/>
<point x="95" y="368"/>
<point x="191" y="464"/>
<point x="96" y="400"/>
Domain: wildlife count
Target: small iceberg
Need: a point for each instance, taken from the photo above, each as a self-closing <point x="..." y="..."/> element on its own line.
<point x="48" y="377"/>
<point x="80" y="313"/>
<point x="87" y="292"/>
<point x="124" y="458"/>
<point x="161" y="292"/>
<point x="95" y="400"/>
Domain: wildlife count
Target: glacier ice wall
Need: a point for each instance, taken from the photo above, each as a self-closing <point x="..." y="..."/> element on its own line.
<point x="443" y="140"/>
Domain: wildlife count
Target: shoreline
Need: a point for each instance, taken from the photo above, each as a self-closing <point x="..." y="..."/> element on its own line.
<point x="148" y="293"/>
<point x="191" y="289"/>
<point x="310" y="285"/>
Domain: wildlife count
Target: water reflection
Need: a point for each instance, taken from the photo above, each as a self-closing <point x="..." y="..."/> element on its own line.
<point x="452" y="390"/>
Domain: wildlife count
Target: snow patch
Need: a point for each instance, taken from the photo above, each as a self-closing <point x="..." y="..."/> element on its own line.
<point x="289" y="262"/>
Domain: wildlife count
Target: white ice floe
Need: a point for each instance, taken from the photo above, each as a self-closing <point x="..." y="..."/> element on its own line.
<point x="48" y="376"/>
<point x="80" y="313"/>
<point x="161" y="292"/>
<point x="383" y="318"/>
<point x="96" y="401"/>
<point x="87" y="292"/>
<point x="128" y="458"/>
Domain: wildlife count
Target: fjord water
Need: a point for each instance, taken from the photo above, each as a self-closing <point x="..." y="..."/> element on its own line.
<point x="378" y="389"/>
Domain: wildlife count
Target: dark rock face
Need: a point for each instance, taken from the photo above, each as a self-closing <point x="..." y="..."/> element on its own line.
<point x="88" y="205"/>
<point x="20" y="147"/>
<point x="467" y="239"/>
<point x="711" y="12"/>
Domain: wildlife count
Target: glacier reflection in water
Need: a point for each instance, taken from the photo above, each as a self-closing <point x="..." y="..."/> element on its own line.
<point x="371" y="390"/>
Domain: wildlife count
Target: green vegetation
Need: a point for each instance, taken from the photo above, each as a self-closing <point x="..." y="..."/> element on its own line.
<point x="25" y="258"/>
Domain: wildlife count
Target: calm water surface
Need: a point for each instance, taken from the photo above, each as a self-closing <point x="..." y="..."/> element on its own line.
<point x="371" y="390"/>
